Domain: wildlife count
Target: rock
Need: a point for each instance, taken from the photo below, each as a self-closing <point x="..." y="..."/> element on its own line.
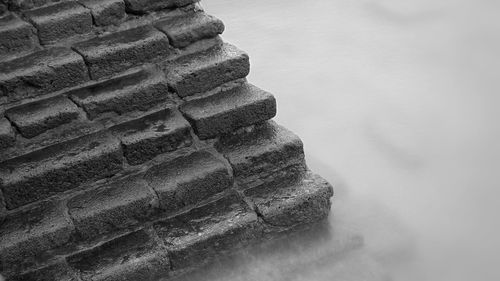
<point x="188" y="28"/>
<point x="58" y="168"/>
<point x="16" y="35"/>
<point x="187" y="180"/>
<point x="229" y="110"/>
<point x="58" y="270"/>
<point x="7" y="134"/>
<point x="207" y="70"/>
<point x="143" y="6"/>
<point x="60" y="21"/>
<point x="145" y="138"/>
<point x="106" y="55"/>
<point x="106" y="12"/>
<point x="35" y="118"/>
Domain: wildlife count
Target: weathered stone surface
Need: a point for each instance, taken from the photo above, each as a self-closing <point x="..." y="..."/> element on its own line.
<point x="116" y="52"/>
<point x="261" y="153"/>
<point x="134" y="256"/>
<point x="206" y="70"/>
<point x="229" y="110"/>
<point x="189" y="28"/>
<point x="136" y="91"/>
<point x="40" y="73"/>
<point x="29" y="236"/>
<point x="35" y="118"/>
<point x="27" y="4"/>
<point x="208" y="231"/>
<point x="16" y="35"/>
<point x="120" y="205"/>
<point x="187" y="180"/>
<point x="60" y="21"/>
<point x="143" y="139"/>
<point x="58" y="168"/>
<point x="305" y="201"/>
<point x="143" y="6"/>
<point x="106" y="12"/>
<point x="7" y="135"/>
<point x="58" y="270"/>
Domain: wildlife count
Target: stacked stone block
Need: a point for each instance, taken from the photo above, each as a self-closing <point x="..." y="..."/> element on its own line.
<point x="131" y="145"/>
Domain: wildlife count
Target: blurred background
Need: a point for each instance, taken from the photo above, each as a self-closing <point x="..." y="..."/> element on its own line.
<point x="397" y="103"/>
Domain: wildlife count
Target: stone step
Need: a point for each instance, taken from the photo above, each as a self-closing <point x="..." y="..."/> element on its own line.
<point x="204" y="71"/>
<point x="304" y="201"/>
<point x="145" y="6"/>
<point x="16" y="35"/>
<point x="106" y="12"/>
<point x="145" y="138"/>
<point x="229" y="110"/>
<point x="185" y="29"/>
<point x="30" y="236"/>
<point x="138" y="90"/>
<point x="209" y="231"/>
<point x="187" y="180"/>
<point x="58" y="168"/>
<point x="60" y="21"/>
<point x="267" y="152"/>
<point x="7" y="134"/>
<point x="20" y="5"/>
<point x="40" y="73"/>
<point x="35" y="118"/>
<point x="116" y="52"/>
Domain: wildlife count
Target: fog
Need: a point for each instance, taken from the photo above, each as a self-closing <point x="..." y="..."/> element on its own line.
<point x="397" y="104"/>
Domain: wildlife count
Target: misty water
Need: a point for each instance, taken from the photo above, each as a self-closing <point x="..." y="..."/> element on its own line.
<point x="397" y="104"/>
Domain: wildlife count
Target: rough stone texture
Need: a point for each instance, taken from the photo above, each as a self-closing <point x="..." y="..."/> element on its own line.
<point x="58" y="270"/>
<point x="35" y="118"/>
<point x="110" y="208"/>
<point x="29" y="236"/>
<point x="16" y="35"/>
<point x="58" y="168"/>
<point x="106" y="12"/>
<point x="134" y="256"/>
<point x="208" y="231"/>
<point x="189" y="28"/>
<point x="187" y="180"/>
<point x="138" y="90"/>
<point x="40" y="73"/>
<point x="60" y="21"/>
<point x="27" y="4"/>
<point x="305" y="201"/>
<point x="229" y="110"/>
<point x="204" y="71"/>
<point x="106" y="55"/>
<point x="143" y="6"/>
<point x="143" y="139"/>
<point x="261" y="153"/>
<point x="7" y="134"/>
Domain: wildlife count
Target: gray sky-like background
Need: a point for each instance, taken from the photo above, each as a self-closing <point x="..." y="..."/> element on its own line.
<point x="397" y="102"/>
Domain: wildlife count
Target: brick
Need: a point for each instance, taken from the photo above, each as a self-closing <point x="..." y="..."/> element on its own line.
<point x="143" y="6"/>
<point x="57" y="270"/>
<point x="30" y="236"/>
<point x="35" y="118"/>
<point x="136" y="91"/>
<point x="262" y="152"/>
<point x="58" y="168"/>
<point x="7" y="135"/>
<point x="117" y="206"/>
<point x="16" y="35"/>
<point x="134" y="256"/>
<point x="204" y="71"/>
<point x="105" y="55"/>
<point x="188" y="28"/>
<point x="106" y="12"/>
<point x="306" y="201"/>
<point x="145" y="138"/>
<point x="209" y="231"/>
<point x="187" y="180"/>
<point x="40" y="73"/>
<point x="229" y="110"/>
<point x="60" y="21"/>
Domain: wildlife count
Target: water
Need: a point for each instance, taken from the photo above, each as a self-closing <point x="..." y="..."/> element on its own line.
<point x="397" y="103"/>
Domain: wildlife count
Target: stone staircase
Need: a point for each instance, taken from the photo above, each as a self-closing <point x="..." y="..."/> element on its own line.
<point x="131" y="145"/>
